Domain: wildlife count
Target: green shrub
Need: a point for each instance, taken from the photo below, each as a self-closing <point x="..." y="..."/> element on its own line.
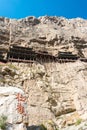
<point x="78" y="122"/>
<point x="3" y="122"/>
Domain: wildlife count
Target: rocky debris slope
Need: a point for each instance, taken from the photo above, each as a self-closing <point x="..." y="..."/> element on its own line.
<point x="55" y="92"/>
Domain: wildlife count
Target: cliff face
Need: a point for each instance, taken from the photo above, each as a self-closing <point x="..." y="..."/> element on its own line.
<point x="50" y="33"/>
<point x="55" y="92"/>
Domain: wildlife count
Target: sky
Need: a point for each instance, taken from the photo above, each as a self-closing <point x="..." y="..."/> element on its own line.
<point x="23" y="8"/>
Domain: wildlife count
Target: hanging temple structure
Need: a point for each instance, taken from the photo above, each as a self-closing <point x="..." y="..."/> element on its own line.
<point x="28" y="55"/>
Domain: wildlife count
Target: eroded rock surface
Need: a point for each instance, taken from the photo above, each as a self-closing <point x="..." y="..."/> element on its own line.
<point x="13" y="107"/>
<point x="50" y="33"/>
<point x="55" y="92"/>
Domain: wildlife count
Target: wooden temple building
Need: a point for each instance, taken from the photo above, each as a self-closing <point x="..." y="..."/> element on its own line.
<point x="28" y="55"/>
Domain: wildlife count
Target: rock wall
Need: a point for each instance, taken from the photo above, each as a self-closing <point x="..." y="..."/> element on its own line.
<point x="56" y="34"/>
<point x="50" y="33"/>
<point x="55" y="92"/>
<point x="13" y="107"/>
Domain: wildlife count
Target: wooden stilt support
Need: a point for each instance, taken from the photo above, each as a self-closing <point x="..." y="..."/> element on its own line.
<point x="11" y="60"/>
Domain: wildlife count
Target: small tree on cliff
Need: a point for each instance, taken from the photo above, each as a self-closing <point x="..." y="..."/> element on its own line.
<point x="3" y="122"/>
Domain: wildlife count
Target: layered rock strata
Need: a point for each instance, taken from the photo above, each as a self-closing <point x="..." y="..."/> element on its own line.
<point x="56" y="92"/>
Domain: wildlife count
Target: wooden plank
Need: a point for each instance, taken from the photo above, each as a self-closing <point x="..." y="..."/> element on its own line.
<point x="18" y="53"/>
<point x="20" y="47"/>
<point x="21" y="60"/>
<point x="21" y="50"/>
